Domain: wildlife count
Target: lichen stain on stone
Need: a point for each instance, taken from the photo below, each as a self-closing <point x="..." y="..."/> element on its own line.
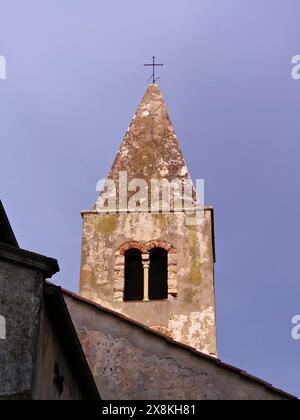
<point x="195" y="272"/>
<point x="163" y="221"/>
<point x="107" y="224"/>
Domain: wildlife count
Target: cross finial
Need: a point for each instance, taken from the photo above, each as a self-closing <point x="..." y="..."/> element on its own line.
<point x="154" y="79"/>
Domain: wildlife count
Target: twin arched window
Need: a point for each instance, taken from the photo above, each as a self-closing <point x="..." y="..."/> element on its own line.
<point x="135" y="273"/>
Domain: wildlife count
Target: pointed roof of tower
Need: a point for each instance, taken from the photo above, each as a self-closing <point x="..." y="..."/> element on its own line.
<point x="150" y="148"/>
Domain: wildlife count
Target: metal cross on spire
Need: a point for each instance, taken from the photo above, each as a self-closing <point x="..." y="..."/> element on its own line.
<point x="154" y="65"/>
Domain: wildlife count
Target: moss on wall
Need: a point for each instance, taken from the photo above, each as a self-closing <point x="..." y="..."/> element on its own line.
<point x="107" y="224"/>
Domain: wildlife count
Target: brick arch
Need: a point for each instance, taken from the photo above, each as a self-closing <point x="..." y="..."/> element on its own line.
<point x="129" y="245"/>
<point x="145" y="248"/>
<point x="159" y="244"/>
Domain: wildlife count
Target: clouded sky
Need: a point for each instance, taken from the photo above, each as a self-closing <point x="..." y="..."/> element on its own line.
<point x="75" y="76"/>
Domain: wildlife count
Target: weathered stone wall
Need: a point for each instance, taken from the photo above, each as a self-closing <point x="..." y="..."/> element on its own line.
<point x="131" y="363"/>
<point x="188" y="315"/>
<point x="20" y="303"/>
<point x="54" y="378"/>
<point x="33" y="359"/>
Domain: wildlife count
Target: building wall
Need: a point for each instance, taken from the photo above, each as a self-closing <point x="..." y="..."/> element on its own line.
<point x="188" y="315"/>
<point x="131" y="363"/>
<point x="54" y="378"/>
<point x="29" y="345"/>
<point x="20" y="298"/>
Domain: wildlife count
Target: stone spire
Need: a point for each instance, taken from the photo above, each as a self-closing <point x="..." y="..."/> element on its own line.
<point x="150" y="148"/>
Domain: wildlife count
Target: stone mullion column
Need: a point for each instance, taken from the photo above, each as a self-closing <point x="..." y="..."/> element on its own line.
<point x="146" y="265"/>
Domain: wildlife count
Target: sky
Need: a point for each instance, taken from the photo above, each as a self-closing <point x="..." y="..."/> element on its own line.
<point x="75" y="77"/>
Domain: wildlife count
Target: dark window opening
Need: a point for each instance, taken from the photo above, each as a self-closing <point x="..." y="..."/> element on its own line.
<point x="158" y="274"/>
<point x="134" y="275"/>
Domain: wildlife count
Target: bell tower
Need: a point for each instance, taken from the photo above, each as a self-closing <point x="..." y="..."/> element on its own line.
<point x="146" y="253"/>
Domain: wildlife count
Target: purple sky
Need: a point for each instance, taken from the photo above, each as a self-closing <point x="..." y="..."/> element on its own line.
<point x="75" y="77"/>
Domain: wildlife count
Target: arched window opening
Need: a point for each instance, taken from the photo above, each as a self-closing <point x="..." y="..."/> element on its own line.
<point x="134" y="276"/>
<point x="158" y="274"/>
